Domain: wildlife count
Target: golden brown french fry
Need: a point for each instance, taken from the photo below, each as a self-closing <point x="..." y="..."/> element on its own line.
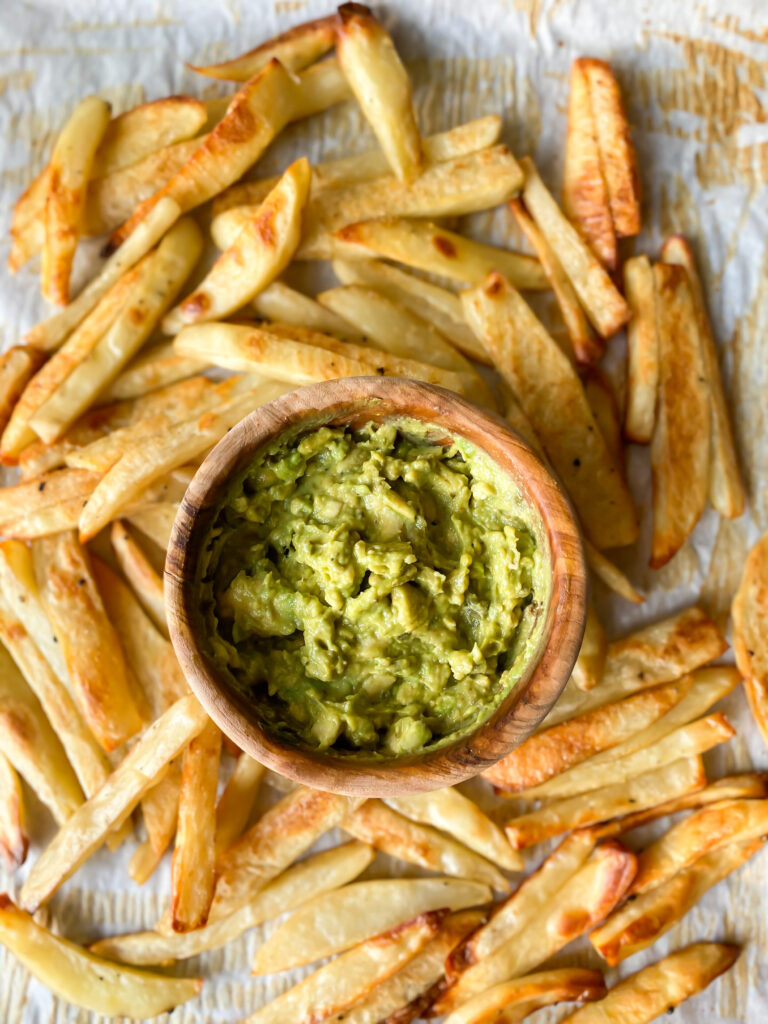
<point x="88" y="827"/>
<point x="140" y="573"/>
<point x="156" y="366"/>
<point x="31" y="745"/>
<point x="156" y="522"/>
<point x="28" y="223"/>
<point x="285" y="305"/>
<point x="17" y="366"/>
<point x="427" y="247"/>
<point x="618" y="162"/>
<point x="749" y="612"/>
<point x="381" y="86"/>
<point x="85" y="980"/>
<point x="638" y="924"/>
<point x="96" y="668"/>
<point x="704" y="831"/>
<point x="602" y="402"/>
<point x="642" y="350"/>
<point x="602" y="302"/>
<point x="588" y="670"/>
<point x="274" y="842"/>
<point x="390" y="832"/>
<point x="392" y="328"/>
<point x="319" y="873"/>
<point x="637" y="792"/>
<point x="514" y="1000"/>
<point x="160" y="811"/>
<point x="336" y="921"/>
<point x="68" y="174"/>
<point x="235" y="804"/>
<point x="261" y="252"/>
<point x="452" y="812"/>
<point x="585" y="194"/>
<point x="144" y="861"/>
<point x="47" y="504"/>
<point x="14" y="841"/>
<point x="295" y="49"/>
<point x="726" y="488"/>
<point x="586" y="347"/>
<point x="554" y="750"/>
<point x="610" y="574"/>
<point x="680" y="447"/>
<point x="552" y="397"/>
<point x="519" y="422"/>
<point x="145" y="129"/>
<point x="580" y="903"/>
<point x="192" y="870"/>
<point x="661" y="987"/>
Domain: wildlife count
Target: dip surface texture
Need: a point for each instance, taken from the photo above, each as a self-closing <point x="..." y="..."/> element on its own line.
<point x="373" y="593"/>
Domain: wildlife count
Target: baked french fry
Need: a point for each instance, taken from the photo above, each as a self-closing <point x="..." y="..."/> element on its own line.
<point x="519" y="422"/>
<point x="586" y="347"/>
<point x="642" y="350"/>
<point x="552" y="397"/>
<point x="602" y="302"/>
<point x="17" y="367"/>
<point x="635" y="793"/>
<point x="661" y="987"/>
<point x="588" y="670"/>
<point x="68" y="174"/>
<point x="192" y="869"/>
<point x="156" y="522"/>
<point x="605" y="409"/>
<point x="390" y="832"/>
<point x="610" y="574"/>
<point x="585" y="194"/>
<point x="427" y="247"/>
<point x="140" y="573"/>
<point x="618" y="162"/>
<point x="235" y="804"/>
<point x="85" y="980"/>
<point x="28" y="223"/>
<point x="160" y="811"/>
<point x="145" y="129"/>
<point x="680" y="447"/>
<point x="88" y="827"/>
<point x="285" y="305"/>
<point x="748" y="611"/>
<point x="514" y="1000"/>
<point x="726" y="487"/>
<point x="638" y="924"/>
<point x="381" y="86"/>
<point x="46" y="504"/>
<point x="14" y="841"/>
<point x="155" y="366"/>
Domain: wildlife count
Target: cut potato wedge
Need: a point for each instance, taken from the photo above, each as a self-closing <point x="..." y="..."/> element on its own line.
<point x="588" y="670"/>
<point x="642" y="350"/>
<point x="749" y="612"/>
<point x="516" y="1000"/>
<point x="14" y="841"/>
<point x="285" y="305"/>
<point x="235" y="805"/>
<point x="610" y="574"/>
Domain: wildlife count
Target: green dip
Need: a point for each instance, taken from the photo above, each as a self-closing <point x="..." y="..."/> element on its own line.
<point x="374" y="594"/>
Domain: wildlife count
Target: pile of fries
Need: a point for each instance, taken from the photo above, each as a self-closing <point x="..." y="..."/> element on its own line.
<point x="107" y="423"/>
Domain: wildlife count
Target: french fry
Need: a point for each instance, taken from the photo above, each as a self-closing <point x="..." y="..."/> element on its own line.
<point x="47" y="504"/>
<point x="618" y="162"/>
<point x="295" y="49"/>
<point x="144" y="861"/>
<point x="17" y="366"/>
<point x="31" y="745"/>
<point x="236" y="802"/>
<point x="192" y="869"/>
<point x="351" y="976"/>
<point x="661" y="987"/>
<point x="85" y="980"/>
<point x="145" y="129"/>
<point x="156" y="366"/>
<point x="392" y="328"/>
<point x="554" y="750"/>
<point x="68" y="174"/>
<point x="336" y="921"/>
<point x="272" y="844"/>
<point x="14" y="841"/>
<point x="160" y="811"/>
<point x="88" y="827"/>
<point x="427" y="247"/>
<point x="584" y="899"/>
<point x="519" y="422"/>
<point x="638" y="924"/>
<point x="515" y="1000"/>
<point x="436" y="305"/>
<point x="585" y="193"/>
<point x="602" y="302"/>
<point x="726" y="487"/>
<point x="381" y="86"/>
<point x="95" y="665"/>
<point x="28" y="223"/>
<point x="282" y="304"/>
<point x="680" y="446"/>
<point x="588" y="670"/>
<point x="261" y="252"/>
<point x="610" y="574"/>
<point x="390" y="832"/>
<point x="156" y="522"/>
<point x="704" y="831"/>
<point x="319" y="873"/>
<point x="140" y="573"/>
<point x="748" y="611"/>
<point x="553" y="399"/>
<point x="642" y="350"/>
<point x="586" y="347"/>
<point x="452" y="812"/>
<point x="635" y="793"/>
<point x="602" y="402"/>
<point x="180" y="443"/>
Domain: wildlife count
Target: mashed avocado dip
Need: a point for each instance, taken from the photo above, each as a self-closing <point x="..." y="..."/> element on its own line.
<point x="373" y="593"/>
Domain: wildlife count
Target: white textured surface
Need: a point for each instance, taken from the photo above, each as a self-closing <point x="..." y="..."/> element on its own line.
<point x="696" y="82"/>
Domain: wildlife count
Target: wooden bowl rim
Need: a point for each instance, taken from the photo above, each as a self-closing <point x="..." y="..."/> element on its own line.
<point x="528" y="701"/>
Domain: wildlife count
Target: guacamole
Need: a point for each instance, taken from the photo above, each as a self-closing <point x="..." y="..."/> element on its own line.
<point x="373" y="593"/>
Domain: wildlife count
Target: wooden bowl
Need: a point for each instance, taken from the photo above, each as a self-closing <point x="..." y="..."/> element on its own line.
<point x="358" y="400"/>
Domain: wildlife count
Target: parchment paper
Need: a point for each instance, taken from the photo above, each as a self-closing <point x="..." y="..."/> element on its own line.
<point x="695" y="78"/>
